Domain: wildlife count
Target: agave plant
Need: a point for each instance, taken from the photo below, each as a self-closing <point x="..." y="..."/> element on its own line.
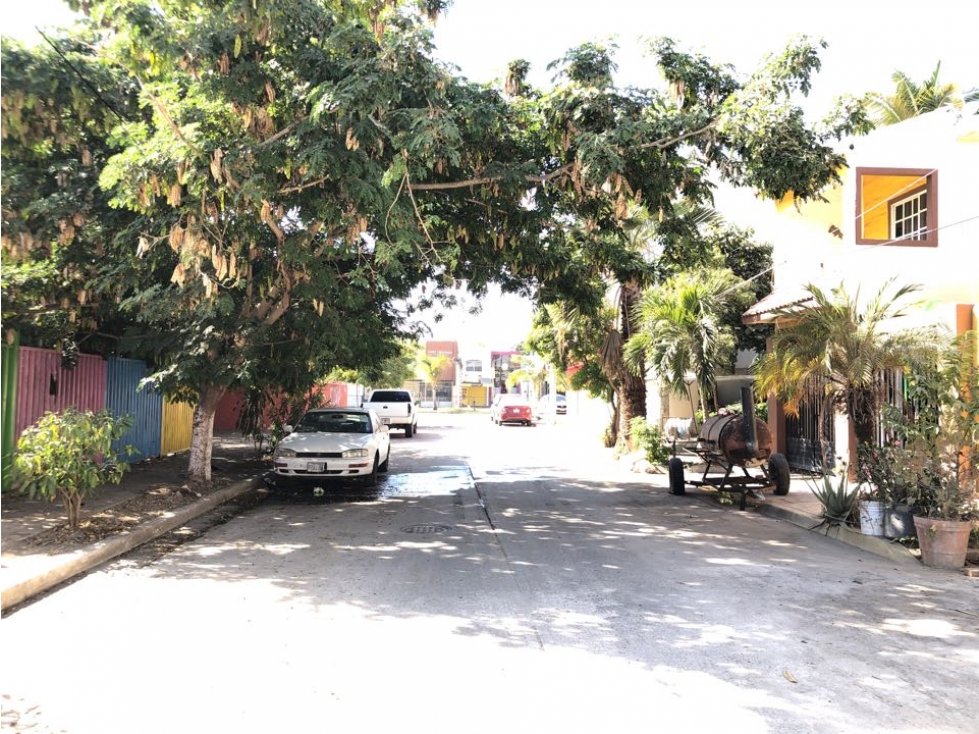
<point x="838" y="500"/>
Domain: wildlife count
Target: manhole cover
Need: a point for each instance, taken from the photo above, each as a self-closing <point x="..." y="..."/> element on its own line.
<point x="425" y="529"/>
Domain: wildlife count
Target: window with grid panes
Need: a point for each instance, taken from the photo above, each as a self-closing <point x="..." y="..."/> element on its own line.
<point x="897" y="206"/>
<point x="909" y="217"/>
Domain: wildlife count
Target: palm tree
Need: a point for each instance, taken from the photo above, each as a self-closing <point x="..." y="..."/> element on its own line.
<point x="682" y="330"/>
<point x="837" y="347"/>
<point x="429" y="368"/>
<point x="911" y="99"/>
<point x="645" y="242"/>
<point x="532" y="369"/>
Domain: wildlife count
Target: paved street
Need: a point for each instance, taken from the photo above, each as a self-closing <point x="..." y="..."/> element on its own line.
<point x="500" y="579"/>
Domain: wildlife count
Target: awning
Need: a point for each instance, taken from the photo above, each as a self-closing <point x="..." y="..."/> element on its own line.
<point x="763" y="311"/>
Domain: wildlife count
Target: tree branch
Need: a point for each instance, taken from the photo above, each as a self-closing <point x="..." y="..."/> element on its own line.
<point x="418" y="213"/>
<point x="666" y="142"/>
<point x="482" y="181"/>
<point x="283" y="132"/>
<point x="301" y="187"/>
<point x="166" y="116"/>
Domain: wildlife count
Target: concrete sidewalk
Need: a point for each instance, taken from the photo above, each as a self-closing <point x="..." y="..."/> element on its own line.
<point x="799" y="507"/>
<point x="28" y="568"/>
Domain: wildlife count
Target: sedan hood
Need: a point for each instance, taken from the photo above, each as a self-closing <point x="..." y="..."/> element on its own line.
<point x="326" y="442"/>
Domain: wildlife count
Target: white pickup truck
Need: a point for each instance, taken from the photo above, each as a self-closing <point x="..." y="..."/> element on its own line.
<point x="395" y="409"/>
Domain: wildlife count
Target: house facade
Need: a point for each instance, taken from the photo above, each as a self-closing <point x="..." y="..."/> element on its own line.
<point x="907" y="211"/>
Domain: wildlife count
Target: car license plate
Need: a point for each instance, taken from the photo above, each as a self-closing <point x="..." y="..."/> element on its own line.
<point x="385" y="420"/>
<point x="316" y="466"/>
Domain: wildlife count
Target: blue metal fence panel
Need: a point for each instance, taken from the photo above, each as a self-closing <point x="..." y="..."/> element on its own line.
<point x="123" y="397"/>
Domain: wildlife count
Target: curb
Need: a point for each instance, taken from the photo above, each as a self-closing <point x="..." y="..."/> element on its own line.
<point x="869" y="543"/>
<point x="79" y="562"/>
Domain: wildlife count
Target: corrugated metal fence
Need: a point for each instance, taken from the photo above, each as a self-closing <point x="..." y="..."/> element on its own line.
<point x="45" y="385"/>
<point x="331" y="393"/>
<point x="35" y="382"/>
<point x="178" y="422"/>
<point x="124" y="397"/>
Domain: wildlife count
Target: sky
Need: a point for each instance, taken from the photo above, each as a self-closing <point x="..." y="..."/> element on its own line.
<point x="868" y="41"/>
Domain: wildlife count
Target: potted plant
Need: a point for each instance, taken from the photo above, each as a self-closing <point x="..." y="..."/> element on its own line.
<point x="871" y="505"/>
<point x="941" y="452"/>
<point x="944" y="508"/>
<point x="885" y="478"/>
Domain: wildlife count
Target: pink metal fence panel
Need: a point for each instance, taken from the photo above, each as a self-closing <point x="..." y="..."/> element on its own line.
<point x="233" y="402"/>
<point x="334" y="393"/>
<point x="44" y="385"/>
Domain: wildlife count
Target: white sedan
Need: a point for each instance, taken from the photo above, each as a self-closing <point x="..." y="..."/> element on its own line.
<point x="334" y="443"/>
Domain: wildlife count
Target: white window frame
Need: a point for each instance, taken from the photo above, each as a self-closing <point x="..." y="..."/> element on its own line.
<point x="913" y="218"/>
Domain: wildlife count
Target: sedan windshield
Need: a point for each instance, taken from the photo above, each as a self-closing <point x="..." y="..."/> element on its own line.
<point x="334" y="423"/>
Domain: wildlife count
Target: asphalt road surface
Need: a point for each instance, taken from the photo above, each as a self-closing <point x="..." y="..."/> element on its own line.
<point x="501" y="579"/>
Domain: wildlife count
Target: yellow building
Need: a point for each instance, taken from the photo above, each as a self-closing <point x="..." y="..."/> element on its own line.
<point x="907" y="210"/>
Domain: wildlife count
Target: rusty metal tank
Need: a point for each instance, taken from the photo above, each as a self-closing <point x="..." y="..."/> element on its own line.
<point x="730" y="437"/>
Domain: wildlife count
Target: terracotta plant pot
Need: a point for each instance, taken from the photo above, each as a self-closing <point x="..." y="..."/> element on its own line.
<point x="943" y="543"/>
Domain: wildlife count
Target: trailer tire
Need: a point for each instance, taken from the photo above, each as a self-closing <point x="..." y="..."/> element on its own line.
<point x="677" y="483"/>
<point x="779" y="474"/>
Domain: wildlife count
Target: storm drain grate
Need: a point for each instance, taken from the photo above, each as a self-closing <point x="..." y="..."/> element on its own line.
<point x="425" y="529"/>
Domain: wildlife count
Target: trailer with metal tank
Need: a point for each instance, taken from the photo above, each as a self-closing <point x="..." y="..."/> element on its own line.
<point x="726" y="443"/>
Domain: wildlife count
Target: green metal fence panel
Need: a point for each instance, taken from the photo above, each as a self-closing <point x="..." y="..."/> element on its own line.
<point x="8" y="356"/>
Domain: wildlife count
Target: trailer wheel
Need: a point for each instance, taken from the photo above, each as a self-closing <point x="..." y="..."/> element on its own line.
<point x="779" y="474"/>
<point x="677" y="483"/>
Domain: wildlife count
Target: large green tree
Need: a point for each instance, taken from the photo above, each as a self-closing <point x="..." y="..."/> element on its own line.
<point x="285" y="173"/>
<point x="665" y="149"/>
<point x="261" y="180"/>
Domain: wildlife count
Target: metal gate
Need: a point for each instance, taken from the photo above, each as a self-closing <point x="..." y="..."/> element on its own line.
<point x="802" y="437"/>
<point x="893" y="395"/>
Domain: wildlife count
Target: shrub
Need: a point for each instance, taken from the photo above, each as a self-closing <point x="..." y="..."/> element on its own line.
<point x="650" y="440"/>
<point x="939" y="436"/>
<point x="68" y="456"/>
<point x="266" y="413"/>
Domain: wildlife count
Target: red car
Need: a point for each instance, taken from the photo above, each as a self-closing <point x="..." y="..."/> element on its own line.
<point x="511" y="408"/>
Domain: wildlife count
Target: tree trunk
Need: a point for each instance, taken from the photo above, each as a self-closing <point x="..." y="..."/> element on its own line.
<point x="632" y="388"/>
<point x="632" y="404"/>
<point x="72" y="502"/>
<point x="862" y="409"/>
<point x="612" y="435"/>
<point x="202" y="437"/>
<point x="695" y="424"/>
